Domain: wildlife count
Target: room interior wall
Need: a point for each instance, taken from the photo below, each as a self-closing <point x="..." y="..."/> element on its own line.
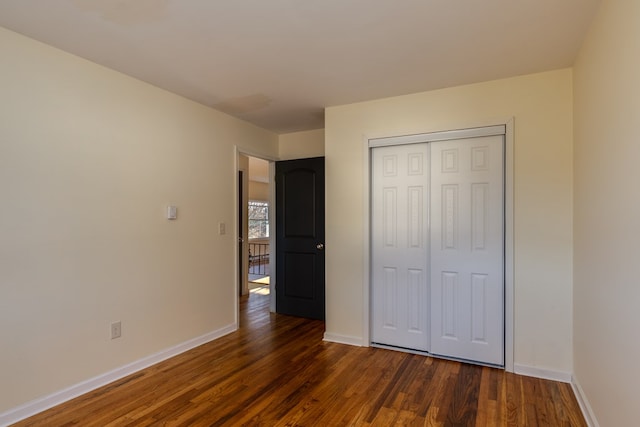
<point x="300" y="145"/>
<point x="258" y="191"/>
<point x="89" y="161"/>
<point x="607" y="208"/>
<point x="541" y="105"/>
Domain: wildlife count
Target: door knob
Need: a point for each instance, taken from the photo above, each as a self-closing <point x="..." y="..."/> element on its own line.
<point x="320" y="246"/>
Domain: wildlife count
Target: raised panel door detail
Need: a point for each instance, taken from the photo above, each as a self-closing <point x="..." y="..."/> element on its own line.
<point x="478" y="308"/>
<point x="390" y="165"/>
<point x="391" y="297"/>
<point x="480" y="159"/>
<point x="450" y="216"/>
<point x="299" y="270"/>
<point x="415" y="201"/>
<point x="296" y="187"/>
<point x="479" y="207"/>
<point x="415" y="280"/>
<point x="449" y="304"/>
<point x="415" y="162"/>
<point x="449" y="162"/>
<point x="390" y="216"/>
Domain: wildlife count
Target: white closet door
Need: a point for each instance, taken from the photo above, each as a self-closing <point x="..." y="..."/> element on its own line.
<point x="400" y="246"/>
<point x="467" y="249"/>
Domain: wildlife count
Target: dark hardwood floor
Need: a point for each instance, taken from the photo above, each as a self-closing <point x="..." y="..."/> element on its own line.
<point x="277" y="371"/>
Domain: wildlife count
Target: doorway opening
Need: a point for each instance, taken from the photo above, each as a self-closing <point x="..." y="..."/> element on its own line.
<point x="259" y="250"/>
<point x="283" y="261"/>
<point x="254" y="196"/>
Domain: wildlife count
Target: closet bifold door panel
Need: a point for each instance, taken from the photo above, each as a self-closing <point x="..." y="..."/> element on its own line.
<point x="437" y="247"/>
<point x="467" y="249"/>
<point x="400" y="246"/>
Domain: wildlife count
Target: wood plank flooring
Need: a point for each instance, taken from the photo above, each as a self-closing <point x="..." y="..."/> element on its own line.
<point x="277" y="371"/>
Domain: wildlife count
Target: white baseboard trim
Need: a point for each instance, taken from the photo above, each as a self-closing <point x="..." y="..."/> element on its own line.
<point x="564" y="377"/>
<point x="545" y="374"/>
<point x="583" y="402"/>
<point x="344" y="339"/>
<point x="35" y="406"/>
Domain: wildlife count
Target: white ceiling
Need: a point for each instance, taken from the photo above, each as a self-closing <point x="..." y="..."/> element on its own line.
<point x="278" y="63"/>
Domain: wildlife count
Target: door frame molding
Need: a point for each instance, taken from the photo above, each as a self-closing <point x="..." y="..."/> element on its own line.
<point x="237" y="151"/>
<point x="476" y="129"/>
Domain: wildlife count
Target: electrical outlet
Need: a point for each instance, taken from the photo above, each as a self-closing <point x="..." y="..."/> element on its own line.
<point x="116" y="330"/>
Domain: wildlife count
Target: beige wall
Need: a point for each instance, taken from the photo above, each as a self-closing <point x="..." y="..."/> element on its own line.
<point x="89" y="160"/>
<point x="542" y="107"/>
<point x="258" y="191"/>
<point x="607" y="209"/>
<point x="300" y="145"/>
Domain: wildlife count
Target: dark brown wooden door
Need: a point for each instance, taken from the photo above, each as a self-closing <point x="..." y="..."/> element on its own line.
<point x="300" y="238"/>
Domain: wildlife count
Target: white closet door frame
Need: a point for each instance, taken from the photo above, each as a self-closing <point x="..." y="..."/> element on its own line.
<point x="495" y="128"/>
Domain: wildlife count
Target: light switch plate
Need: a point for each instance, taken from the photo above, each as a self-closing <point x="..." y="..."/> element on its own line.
<point x="172" y="212"/>
<point x="116" y="330"/>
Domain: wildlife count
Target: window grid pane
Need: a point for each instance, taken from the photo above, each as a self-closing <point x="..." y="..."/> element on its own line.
<point x="258" y="219"/>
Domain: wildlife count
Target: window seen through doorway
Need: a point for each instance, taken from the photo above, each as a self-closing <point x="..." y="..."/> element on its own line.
<point x="258" y="219"/>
